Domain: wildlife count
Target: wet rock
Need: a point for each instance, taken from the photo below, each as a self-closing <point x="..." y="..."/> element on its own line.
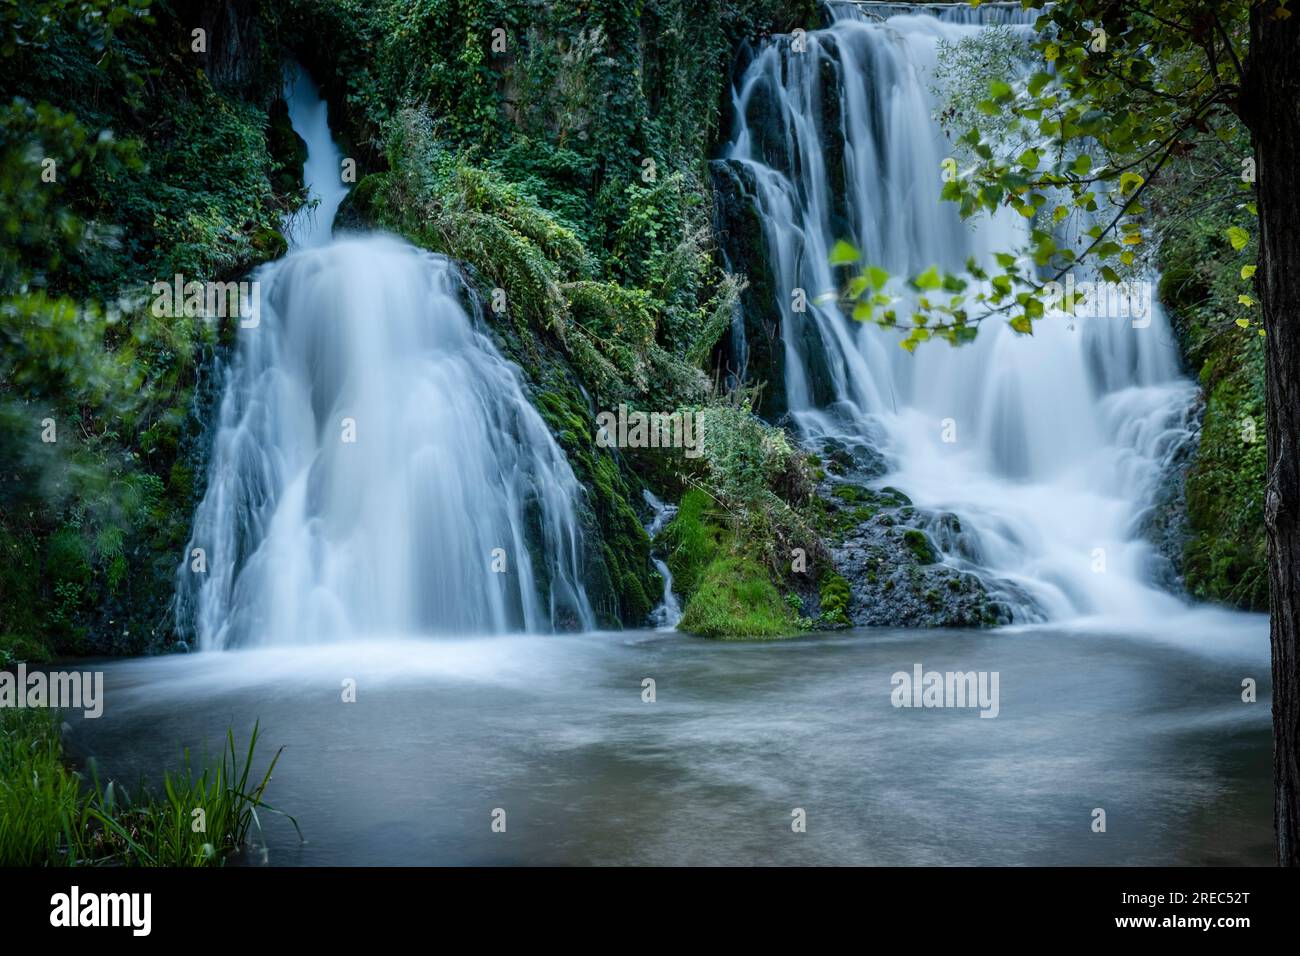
<point x="1165" y="523"/>
<point x="906" y="566"/>
<point x="752" y="347"/>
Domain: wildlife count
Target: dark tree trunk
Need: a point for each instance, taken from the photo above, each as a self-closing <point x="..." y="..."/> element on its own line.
<point x="1271" y="105"/>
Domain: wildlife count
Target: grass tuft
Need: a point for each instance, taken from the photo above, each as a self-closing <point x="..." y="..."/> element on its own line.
<point x="51" y="816"/>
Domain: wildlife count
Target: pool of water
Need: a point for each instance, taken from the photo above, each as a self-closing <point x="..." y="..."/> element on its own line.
<point x="555" y="731"/>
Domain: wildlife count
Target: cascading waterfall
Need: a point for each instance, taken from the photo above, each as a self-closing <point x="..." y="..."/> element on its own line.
<point x="376" y="466"/>
<point x="669" y="611"/>
<point x="1060" y="440"/>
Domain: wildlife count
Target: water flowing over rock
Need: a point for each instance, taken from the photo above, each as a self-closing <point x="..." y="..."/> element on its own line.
<point x="377" y="466"/>
<point x="1048" y="452"/>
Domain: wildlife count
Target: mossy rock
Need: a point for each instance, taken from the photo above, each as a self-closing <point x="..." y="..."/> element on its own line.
<point x="736" y="599"/>
<point x="270" y="243"/>
<point x="919" y="545"/>
<point x="694" y="538"/>
<point x="835" y="594"/>
<point x="728" y="595"/>
<point x="853" y="493"/>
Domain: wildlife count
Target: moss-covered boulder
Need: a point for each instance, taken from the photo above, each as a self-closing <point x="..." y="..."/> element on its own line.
<point x="728" y="593"/>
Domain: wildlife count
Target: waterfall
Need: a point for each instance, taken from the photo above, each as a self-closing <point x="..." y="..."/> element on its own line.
<point x="669" y="611"/>
<point x="1049" y="449"/>
<point x="376" y="465"/>
<point x="321" y="172"/>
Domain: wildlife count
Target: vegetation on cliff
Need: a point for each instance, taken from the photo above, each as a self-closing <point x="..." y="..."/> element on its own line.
<point x="125" y="162"/>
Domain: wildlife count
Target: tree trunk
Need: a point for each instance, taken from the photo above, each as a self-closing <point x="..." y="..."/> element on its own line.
<point x="1271" y="105"/>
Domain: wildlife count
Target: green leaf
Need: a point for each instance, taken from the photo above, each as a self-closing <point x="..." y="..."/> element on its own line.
<point x="1247" y="271"/>
<point x="1023" y="325"/>
<point x="1238" y="237"/>
<point x="842" y="253"/>
<point x="929" y="279"/>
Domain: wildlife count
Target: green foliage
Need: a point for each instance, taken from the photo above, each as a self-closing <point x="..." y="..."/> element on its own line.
<point x="758" y="477"/>
<point x="16" y="648"/>
<point x="728" y="593"/>
<point x="834" y="594"/>
<point x="1225" y="555"/>
<point x="122" y="165"/>
<point x="49" y="817"/>
<point x="723" y="569"/>
<point x="95" y="383"/>
<point x="737" y="600"/>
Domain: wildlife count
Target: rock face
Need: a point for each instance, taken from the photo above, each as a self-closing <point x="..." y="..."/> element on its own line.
<point x="751" y="348"/>
<point x="1165" y="524"/>
<point x="905" y="567"/>
<point x="233" y="43"/>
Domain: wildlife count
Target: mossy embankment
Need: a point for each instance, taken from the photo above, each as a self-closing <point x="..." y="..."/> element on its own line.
<point x="1206" y="289"/>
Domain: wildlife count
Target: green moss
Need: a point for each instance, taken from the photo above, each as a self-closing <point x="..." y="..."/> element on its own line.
<point x="852" y="493"/>
<point x="619" y="572"/>
<point x="694" y="538"/>
<point x="1224" y="554"/>
<point x="736" y="599"/>
<point x="728" y="594"/>
<point x="919" y="545"/>
<point x="834" y="594"/>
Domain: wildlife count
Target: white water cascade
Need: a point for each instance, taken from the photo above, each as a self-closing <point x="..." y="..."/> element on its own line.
<point x="376" y="467"/>
<point x="1061" y="440"/>
<point x="669" y="611"/>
